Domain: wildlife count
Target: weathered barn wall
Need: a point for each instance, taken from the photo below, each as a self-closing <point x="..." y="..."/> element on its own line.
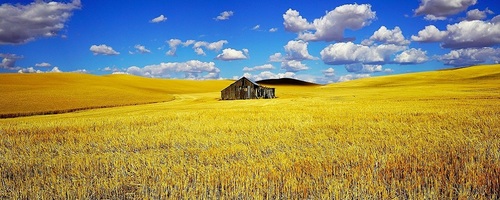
<point x="246" y="89"/>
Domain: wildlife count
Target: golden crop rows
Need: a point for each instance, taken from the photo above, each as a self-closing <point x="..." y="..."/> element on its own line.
<point x="412" y="136"/>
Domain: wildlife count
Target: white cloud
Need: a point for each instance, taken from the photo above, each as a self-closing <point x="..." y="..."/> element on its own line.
<point x="434" y="18"/>
<point x="159" y="19"/>
<point x="429" y="34"/>
<point x="193" y="69"/>
<point x="43" y="64"/>
<point x="293" y="66"/>
<point x="269" y="75"/>
<point x="331" y="26"/>
<point x="349" y="53"/>
<point x="297" y="50"/>
<point x="386" y="36"/>
<point x="141" y="49"/>
<point x="29" y="70"/>
<point x="475" y="33"/>
<point x="439" y="9"/>
<point x="197" y="46"/>
<point x="214" y="46"/>
<point x="81" y="71"/>
<point x="363" y="69"/>
<point x="330" y="72"/>
<point x="188" y="42"/>
<point x="259" y="68"/>
<point x="476" y="14"/>
<point x="272" y="30"/>
<point x="23" y="23"/>
<point x="232" y="54"/>
<point x="55" y="70"/>
<point x="412" y="56"/>
<point x="256" y="27"/>
<point x="110" y="69"/>
<point x="103" y="50"/>
<point x="465" y="34"/>
<point x="350" y="77"/>
<point x="471" y="56"/>
<point x="294" y="22"/>
<point x="276" y="57"/>
<point x="173" y="43"/>
<point x="9" y="61"/>
<point x="33" y="70"/>
<point x="224" y="15"/>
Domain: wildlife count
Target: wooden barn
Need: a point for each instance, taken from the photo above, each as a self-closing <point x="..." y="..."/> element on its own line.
<point x="246" y="89"/>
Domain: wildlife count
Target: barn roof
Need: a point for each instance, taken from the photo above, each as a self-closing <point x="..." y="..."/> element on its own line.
<point x="253" y="82"/>
<point x="243" y="78"/>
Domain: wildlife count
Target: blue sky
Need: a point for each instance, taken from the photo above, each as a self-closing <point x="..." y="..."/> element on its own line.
<point x="318" y="41"/>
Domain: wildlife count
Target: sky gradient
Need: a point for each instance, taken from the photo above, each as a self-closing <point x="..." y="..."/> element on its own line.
<point x="317" y="41"/>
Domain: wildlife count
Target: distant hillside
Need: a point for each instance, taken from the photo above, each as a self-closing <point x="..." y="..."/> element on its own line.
<point x="465" y="75"/>
<point x="286" y="81"/>
<point x="52" y="93"/>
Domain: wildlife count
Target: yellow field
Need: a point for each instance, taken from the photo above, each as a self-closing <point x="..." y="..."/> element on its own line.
<point x="31" y="94"/>
<point x="424" y="135"/>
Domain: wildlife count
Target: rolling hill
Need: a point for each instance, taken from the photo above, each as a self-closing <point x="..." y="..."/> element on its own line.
<point x="51" y="93"/>
<point x="32" y="94"/>
<point x="286" y="81"/>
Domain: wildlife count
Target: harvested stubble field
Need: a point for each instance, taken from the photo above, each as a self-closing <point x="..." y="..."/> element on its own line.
<point x="424" y="135"/>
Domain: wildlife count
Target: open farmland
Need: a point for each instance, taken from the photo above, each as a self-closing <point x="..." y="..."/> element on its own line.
<point x="423" y="135"/>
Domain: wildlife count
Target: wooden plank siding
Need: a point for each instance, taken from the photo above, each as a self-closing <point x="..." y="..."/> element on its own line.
<point x="246" y="89"/>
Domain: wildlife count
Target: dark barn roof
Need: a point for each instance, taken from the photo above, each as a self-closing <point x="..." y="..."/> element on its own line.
<point x="245" y="88"/>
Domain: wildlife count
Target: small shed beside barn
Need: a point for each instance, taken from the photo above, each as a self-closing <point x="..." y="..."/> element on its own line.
<point x="244" y="88"/>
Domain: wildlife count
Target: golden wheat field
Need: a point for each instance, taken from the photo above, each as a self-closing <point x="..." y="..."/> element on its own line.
<point x="433" y="135"/>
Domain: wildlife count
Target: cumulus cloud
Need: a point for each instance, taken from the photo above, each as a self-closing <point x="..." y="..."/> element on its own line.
<point x="159" y="19"/>
<point x="269" y="75"/>
<point x="412" y="56"/>
<point x="23" y="23"/>
<point x="141" y="49"/>
<point x="293" y="66"/>
<point x="259" y="68"/>
<point x="294" y="22"/>
<point x="476" y="14"/>
<point x="103" y="50"/>
<point x="173" y="43"/>
<point x="272" y="30"/>
<point x="349" y="53"/>
<point x="429" y="34"/>
<point x="224" y="15"/>
<point x="330" y="72"/>
<point x="198" y="46"/>
<point x="33" y="70"/>
<point x="111" y="69"/>
<point x="232" y="54"/>
<point x="276" y="57"/>
<point x="193" y="69"/>
<point x="214" y="46"/>
<point x="297" y="50"/>
<point x="28" y="70"/>
<point x="465" y="34"/>
<point x="331" y="26"/>
<point x="440" y="9"/>
<point x="43" y="64"/>
<point x="81" y="71"/>
<point x="55" y="70"/>
<point x="9" y="61"/>
<point x="386" y="36"/>
<point x="363" y="69"/>
<point x="471" y="56"/>
<point x="350" y="77"/>
<point x="256" y="27"/>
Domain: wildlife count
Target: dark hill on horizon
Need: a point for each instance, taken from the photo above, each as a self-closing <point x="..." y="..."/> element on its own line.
<point x="286" y="81"/>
